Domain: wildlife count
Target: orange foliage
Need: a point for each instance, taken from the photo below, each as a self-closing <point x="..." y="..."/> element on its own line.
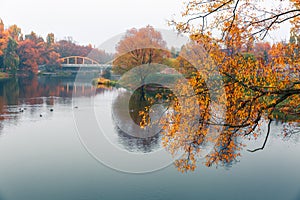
<point x="139" y="47"/>
<point x="257" y="88"/>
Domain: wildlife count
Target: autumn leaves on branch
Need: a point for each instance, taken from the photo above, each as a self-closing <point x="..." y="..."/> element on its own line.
<point x="260" y="81"/>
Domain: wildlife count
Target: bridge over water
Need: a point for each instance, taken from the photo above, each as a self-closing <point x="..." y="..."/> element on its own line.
<point x="73" y="63"/>
<point x="79" y="61"/>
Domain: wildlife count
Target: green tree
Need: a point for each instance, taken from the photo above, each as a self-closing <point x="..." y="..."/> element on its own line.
<point x="3" y="42"/>
<point x="14" y="32"/>
<point x="50" y="40"/>
<point x="51" y="57"/>
<point x="11" y="59"/>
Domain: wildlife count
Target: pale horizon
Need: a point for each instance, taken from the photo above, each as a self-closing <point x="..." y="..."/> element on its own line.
<point x="100" y="20"/>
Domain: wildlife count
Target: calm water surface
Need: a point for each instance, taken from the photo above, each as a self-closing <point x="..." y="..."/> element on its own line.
<point x="41" y="156"/>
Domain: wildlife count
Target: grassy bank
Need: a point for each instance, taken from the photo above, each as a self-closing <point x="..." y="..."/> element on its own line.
<point x="4" y="75"/>
<point x="104" y="81"/>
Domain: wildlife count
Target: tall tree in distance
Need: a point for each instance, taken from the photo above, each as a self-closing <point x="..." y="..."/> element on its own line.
<point x="3" y="42"/>
<point x="138" y="47"/>
<point x="139" y="50"/>
<point x="50" y="40"/>
<point x="51" y="57"/>
<point x="11" y="59"/>
<point x="30" y="52"/>
<point x="14" y="32"/>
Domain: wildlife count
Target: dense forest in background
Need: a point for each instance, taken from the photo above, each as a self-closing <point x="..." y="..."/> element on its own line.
<point x="24" y="53"/>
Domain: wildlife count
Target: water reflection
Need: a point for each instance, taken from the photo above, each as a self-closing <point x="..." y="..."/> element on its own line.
<point x="34" y="168"/>
<point x="135" y="144"/>
<point x="127" y="118"/>
<point x="27" y="98"/>
<point x="31" y="96"/>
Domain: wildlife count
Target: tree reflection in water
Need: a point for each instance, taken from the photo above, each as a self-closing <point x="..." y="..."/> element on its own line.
<point x="29" y="94"/>
<point x="129" y="119"/>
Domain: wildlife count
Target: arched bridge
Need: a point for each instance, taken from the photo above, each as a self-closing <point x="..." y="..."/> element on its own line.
<point x="74" y="63"/>
<point x="79" y="61"/>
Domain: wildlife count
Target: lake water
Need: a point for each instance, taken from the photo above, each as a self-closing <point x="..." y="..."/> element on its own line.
<point x="42" y="156"/>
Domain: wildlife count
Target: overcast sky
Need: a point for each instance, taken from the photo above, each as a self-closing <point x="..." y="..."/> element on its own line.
<point x="91" y="21"/>
<point x="87" y="21"/>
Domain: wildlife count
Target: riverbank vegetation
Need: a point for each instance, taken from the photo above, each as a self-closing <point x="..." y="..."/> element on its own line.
<point x="24" y="53"/>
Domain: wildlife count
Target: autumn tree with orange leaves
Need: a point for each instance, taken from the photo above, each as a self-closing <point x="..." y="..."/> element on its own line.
<point x="138" y="47"/>
<point x="255" y="90"/>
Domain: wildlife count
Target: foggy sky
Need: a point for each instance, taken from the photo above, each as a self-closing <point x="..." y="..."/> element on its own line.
<point x="92" y="21"/>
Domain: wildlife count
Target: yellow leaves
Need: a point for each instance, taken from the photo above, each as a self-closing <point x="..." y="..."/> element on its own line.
<point x="158" y="96"/>
<point x="183" y="27"/>
<point x="255" y="75"/>
<point x="145" y="119"/>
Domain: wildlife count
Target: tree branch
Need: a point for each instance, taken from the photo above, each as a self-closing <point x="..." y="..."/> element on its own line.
<point x="266" y="139"/>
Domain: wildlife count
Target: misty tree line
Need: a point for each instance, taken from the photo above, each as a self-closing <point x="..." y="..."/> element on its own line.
<point x="24" y="53"/>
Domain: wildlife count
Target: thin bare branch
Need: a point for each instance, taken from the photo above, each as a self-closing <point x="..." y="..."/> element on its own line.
<point x="266" y="139"/>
